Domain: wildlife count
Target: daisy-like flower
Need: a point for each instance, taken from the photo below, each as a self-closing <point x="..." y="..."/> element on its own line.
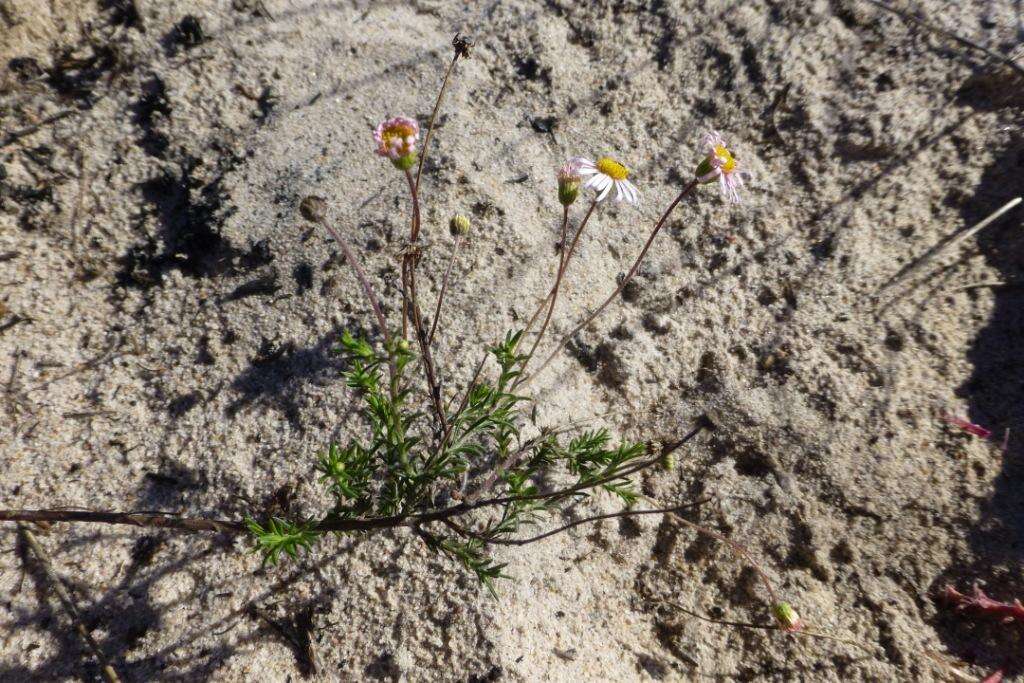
<point x="719" y="164"/>
<point x="396" y="139"/>
<point x="603" y="175"/>
<point x="569" y="180"/>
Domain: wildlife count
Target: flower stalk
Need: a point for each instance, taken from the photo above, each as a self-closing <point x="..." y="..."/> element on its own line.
<point x="622" y="285"/>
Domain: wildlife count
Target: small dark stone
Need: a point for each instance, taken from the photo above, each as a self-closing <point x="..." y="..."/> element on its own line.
<point x="303" y="274"/>
<point x="25" y="69"/>
<point x="544" y="124"/>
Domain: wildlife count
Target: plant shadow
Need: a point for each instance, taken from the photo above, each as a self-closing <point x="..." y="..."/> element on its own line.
<point x="277" y="375"/>
<point x="994" y="394"/>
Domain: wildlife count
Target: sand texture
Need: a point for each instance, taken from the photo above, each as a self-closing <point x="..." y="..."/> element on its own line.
<point x="167" y="322"/>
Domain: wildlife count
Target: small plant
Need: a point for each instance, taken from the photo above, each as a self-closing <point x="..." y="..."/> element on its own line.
<point x="453" y="464"/>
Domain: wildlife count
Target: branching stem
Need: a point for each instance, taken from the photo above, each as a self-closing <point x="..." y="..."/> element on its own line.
<point x="563" y="266"/>
<point x="622" y="285"/>
<point x="165" y="520"/>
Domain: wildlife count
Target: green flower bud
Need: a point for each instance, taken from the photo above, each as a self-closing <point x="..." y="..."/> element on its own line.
<point x="787" y="617"/>
<point x="569" y="182"/>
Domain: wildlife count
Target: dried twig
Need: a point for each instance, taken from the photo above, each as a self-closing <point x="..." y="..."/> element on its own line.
<point x="66" y="602"/>
<point x="947" y="244"/>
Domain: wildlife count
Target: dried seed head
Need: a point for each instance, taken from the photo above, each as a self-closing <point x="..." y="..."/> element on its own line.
<point x="313" y="208"/>
<point x="462" y="46"/>
<point x="459" y="224"/>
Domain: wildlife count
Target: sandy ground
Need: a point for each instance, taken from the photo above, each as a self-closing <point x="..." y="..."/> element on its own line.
<point x="166" y="322"/>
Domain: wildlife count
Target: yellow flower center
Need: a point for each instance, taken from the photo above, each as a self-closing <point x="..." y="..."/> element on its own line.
<point x="397" y="132"/>
<point x="612" y="168"/>
<point x="725" y="156"/>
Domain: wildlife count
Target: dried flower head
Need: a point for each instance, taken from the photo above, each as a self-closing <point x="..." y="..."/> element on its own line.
<point x="313" y="208"/>
<point x="569" y="180"/>
<point x="462" y="46"/>
<point x="606" y="173"/>
<point x="396" y="139"/>
<point x="720" y="164"/>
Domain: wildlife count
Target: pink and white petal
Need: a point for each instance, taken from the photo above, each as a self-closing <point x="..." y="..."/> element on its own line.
<point x="634" y="194"/>
<point x="607" y="188"/>
<point x="619" y="191"/>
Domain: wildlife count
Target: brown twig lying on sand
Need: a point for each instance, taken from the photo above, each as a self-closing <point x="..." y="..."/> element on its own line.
<point x="43" y="558"/>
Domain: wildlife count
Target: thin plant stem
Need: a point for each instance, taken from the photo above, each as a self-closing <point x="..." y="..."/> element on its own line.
<point x="411" y="304"/>
<point x="433" y="117"/>
<point x="622" y="285"/>
<point x="364" y="281"/>
<point x="563" y="266"/>
<point x="558" y="270"/>
<point x="772" y="627"/>
<point x="733" y="545"/>
<point x="579" y="522"/>
<point x="444" y="288"/>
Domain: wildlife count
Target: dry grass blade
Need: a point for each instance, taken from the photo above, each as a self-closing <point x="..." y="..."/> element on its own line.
<point x="919" y="264"/>
<point x="43" y="558"/>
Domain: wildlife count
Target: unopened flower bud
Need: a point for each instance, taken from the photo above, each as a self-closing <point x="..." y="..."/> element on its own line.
<point x="787" y="617"/>
<point x="569" y="180"/>
<point x="459" y="224"/>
